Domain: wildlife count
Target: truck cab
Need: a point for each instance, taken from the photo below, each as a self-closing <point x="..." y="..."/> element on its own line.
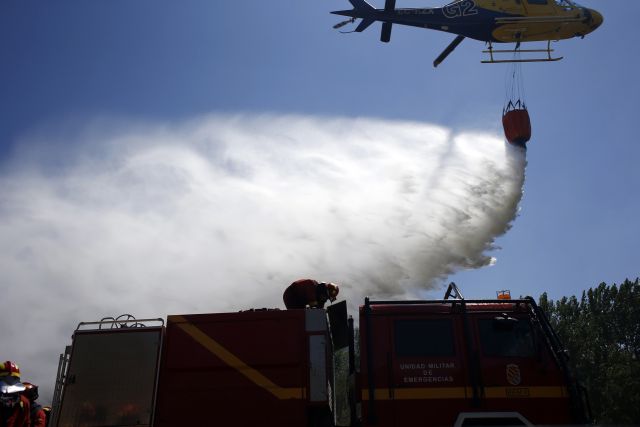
<point x="457" y="362"/>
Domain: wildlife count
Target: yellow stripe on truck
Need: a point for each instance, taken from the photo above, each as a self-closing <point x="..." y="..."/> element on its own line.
<point x="418" y="393"/>
<point x="466" y="392"/>
<point x="531" y="392"/>
<point x="233" y="361"/>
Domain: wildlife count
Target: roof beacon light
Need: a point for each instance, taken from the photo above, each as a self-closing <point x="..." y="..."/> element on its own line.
<point x="504" y="294"/>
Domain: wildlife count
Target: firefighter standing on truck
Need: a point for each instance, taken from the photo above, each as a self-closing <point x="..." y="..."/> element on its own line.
<point x="309" y="293"/>
<point x="14" y="407"/>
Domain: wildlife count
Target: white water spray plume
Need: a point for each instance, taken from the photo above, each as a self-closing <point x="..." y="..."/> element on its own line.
<point x="223" y="212"/>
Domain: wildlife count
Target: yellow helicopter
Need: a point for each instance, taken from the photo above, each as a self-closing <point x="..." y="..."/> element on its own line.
<point x="490" y="21"/>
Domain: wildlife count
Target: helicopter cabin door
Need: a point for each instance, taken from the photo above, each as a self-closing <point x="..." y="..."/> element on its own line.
<point x="540" y="7"/>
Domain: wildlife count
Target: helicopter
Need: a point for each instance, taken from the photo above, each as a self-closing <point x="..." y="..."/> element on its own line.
<point x="490" y="21"/>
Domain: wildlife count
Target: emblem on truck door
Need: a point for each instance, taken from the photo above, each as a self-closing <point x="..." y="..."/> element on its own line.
<point x="513" y="374"/>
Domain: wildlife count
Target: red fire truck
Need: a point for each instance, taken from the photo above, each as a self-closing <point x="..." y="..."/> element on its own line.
<point x="450" y="362"/>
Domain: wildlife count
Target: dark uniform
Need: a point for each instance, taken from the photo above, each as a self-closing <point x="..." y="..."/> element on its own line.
<point x="15" y="408"/>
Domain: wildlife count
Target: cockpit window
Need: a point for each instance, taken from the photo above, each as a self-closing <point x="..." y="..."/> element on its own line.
<point x="567" y="4"/>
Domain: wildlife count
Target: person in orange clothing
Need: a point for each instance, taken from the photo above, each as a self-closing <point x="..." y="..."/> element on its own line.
<point x="37" y="414"/>
<point x="14" y="407"/>
<point x="309" y="293"/>
<point x="47" y="413"/>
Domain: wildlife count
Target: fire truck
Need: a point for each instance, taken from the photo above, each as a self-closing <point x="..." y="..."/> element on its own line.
<point x="450" y="362"/>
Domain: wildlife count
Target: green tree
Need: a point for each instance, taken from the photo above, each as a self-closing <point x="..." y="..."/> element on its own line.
<point x="601" y="331"/>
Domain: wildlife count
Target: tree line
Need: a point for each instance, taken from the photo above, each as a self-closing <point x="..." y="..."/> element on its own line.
<point x="601" y="331"/>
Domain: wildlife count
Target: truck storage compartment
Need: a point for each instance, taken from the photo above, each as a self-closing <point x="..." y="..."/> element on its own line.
<point x="258" y="367"/>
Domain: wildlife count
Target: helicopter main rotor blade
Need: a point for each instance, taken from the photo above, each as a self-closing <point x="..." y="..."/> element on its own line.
<point x="448" y="50"/>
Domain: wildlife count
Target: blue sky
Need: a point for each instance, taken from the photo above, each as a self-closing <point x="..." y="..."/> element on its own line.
<point x="67" y="64"/>
<point x="165" y="61"/>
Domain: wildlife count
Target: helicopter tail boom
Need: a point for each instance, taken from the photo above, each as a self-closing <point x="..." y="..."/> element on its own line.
<point x="369" y="14"/>
<point x="361" y="9"/>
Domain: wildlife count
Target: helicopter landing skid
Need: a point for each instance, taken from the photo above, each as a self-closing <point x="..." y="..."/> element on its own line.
<point x="492" y="60"/>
